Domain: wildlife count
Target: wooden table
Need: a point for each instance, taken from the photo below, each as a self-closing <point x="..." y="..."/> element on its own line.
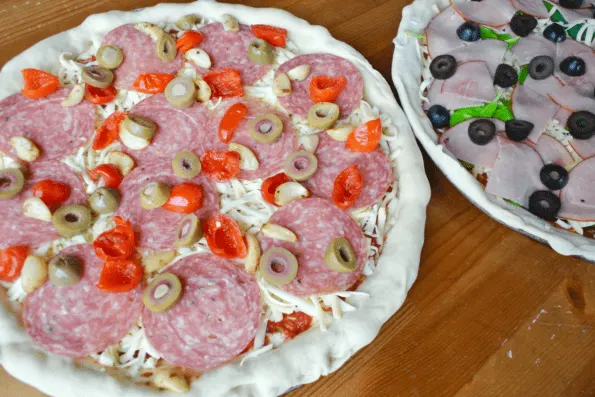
<point x="493" y="313"/>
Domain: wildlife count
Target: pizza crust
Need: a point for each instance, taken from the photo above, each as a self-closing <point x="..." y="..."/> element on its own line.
<point x="310" y="355"/>
<point x="407" y="71"/>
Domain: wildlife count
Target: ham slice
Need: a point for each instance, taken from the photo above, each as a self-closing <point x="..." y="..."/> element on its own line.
<point x="544" y="86"/>
<point x="516" y="172"/>
<point x="535" y="8"/>
<point x="456" y="140"/>
<point x="531" y="106"/>
<point x="552" y="151"/>
<point x="449" y="101"/>
<point x="584" y="147"/>
<point x="489" y="51"/>
<point x="570" y="99"/>
<point x="578" y="197"/>
<point x="471" y="80"/>
<point x="494" y="13"/>
<point x="531" y="46"/>
<point x="441" y="33"/>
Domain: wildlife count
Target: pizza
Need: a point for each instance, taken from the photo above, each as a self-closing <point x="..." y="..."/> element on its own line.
<point x="507" y="91"/>
<point x="199" y="198"/>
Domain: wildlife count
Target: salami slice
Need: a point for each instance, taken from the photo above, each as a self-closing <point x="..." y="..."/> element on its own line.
<point x="299" y="102"/>
<point x="317" y="223"/>
<point x="156" y="228"/>
<point x="17" y="229"/>
<point x="80" y="319"/>
<point x="56" y="130"/>
<point x="270" y="156"/>
<point x="333" y="158"/>
<point x="215" y="319"/>
<point x="139" y="56"/>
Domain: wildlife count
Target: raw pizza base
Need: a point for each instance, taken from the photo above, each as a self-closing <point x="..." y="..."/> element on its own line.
<point x="407" y="71"/>
<point x="312" y="354"/>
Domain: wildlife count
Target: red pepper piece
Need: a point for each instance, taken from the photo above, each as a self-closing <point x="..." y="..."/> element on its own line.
<point x="184" y="198"/>
<point x="152" y="83"/>
<point x="270" y="185"/>
<point x="225" y="83"/>
<point x="326" y="89"/>
<point x="12" y="260"/>
<point x="220" y="166"/>
<point x="120" y="275"/>
<point x="366" y="137"/>
<point x="189" y="40"/>
<point x="100" y="96"/>
<point x="117" y="243"/>
<point x="230" y="121"/>
<point x="51" y="192"/>
<point x="347" y="188"/>
<point x="291" y="324"/>
<point x="109" y="131"/>
<point x="39" y="84"/>
<point x="273" y="35"/>
<point x="224" y="237"/>
<point x="107" y="174"/>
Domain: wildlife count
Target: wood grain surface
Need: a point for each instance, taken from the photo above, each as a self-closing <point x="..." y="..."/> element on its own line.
<point x="492" y="313"/>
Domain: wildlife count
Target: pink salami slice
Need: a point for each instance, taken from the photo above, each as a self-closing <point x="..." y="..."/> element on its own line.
<point x="552" y="151"/>
<point x="299" y="102"/>
<point x="457" y="141"/>
<point x="333" y="158"/>
<point x="530" y="106"/>
<point x="531" y="46"/>
<point x="578" y="197"/>
<point x="515" y="175"/>
<point x="471" y="80"/>
<point x="80" y="319"/>
<point x="17" y="229"/>
<point x="317" y="223"/>
<point x="270" y="156"/>
<point x="441" y="33"/>
<point x="177" y="129"/>
<point x="215" y="319"/>
<point x="71" y="126"/>
<point x="139" y="56"/>
<point x="495" y="13"/>
<point x="531" y="7"/>
<point x="230" y="50"/>
<point x="156" y="228"/>
<point x="489" y="51"/>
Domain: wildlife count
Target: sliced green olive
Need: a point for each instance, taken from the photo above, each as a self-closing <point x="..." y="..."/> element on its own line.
<point x="266" y="129"/>
<point x="109" y="56"/>
<point x="181" y="92"/>
<point x="96" y="76"/>
<point x="188" y="231"/>
<point x="301" y="165"/>
<point x="340" y="256"/>
<point x="12" y="181"/>
<point x="104" y="200"/>
<point x="260" y="52"/>
<point x="323" y="115"/>
<point x="187" y="22"/>
<point x="278" y="266"/>
<point x="65" y="270"/>
<point x="166" y="48"/>
<point x="186" y="165"/>
<point x="140" y="127"/>
<point x="163" y="293"/>
<point x="71" y="220"/>
<point x="154" y="195"/>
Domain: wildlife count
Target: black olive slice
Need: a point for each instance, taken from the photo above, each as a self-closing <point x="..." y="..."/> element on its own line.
<point x="554" y="176"/>
<point x="544" y="204"/>
<point x="443" y="67"/>
<point x="482" y="131"/>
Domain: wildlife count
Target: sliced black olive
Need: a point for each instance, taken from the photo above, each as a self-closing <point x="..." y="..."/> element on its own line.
<point x="572" y="4"/>
<point x="506" y="76"/>
<point x="544" y="204"/>
<point x="581" y="125"/>
<point x="518" y="130"/>
<point x="541" y="67"/>
<point x="554" y="176"/>
<point x="443" y="67"/>
<point x="439" y="116"/>
<point x="573" y="66"/>
<point x="469" y="31"/>
<point x="482" y="131"/>
<point x="555" y="33"/>
<point x="522" y="25"/>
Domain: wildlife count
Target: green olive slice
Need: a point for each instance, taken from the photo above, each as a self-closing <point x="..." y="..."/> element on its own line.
<point x="323" y="115"/>
<point x="340" y="256"/>
<point x="104" y="200"/>
<point x="12" y="181"/>
<point x="71" y="220"/>
<point x="260" y="52"/>
<point x="166" y="48"/>
<point x="186" y="165"/>
<point x="109" y="56"/>
<point x="140" y="127"/>
<point x="188" y="231"/>
<point x="96" y="76"/>
<point x="154" y="195"/>
<point x="266" y="128"/>
<point x="181" y="92"/>
<point x="278" y="266"/>
<point x="65" y="270"/>
<point x="162" y="293"/>
<point x="301" y="165"/>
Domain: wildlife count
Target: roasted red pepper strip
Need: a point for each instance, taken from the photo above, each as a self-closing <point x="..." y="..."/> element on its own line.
<point x="51" y="192"/>
<point x="100" y="96"/>
<point x="291" y="324"/>
<point x="11" y="262"/>
<point x="270" y="185"/>
<point x="189" y="40"/>
<point x="120" y="275"/>
<point x="224" y="237"/>
<point x="220" y="166"/>
<point x="225" y="83"/>
<point x="109" y="130"/>
<point x="117" y="243"/>
<point x="366" y="137"/>
<point x="273" y="35"/>
<point x="184" y="198"/>
<point x="152" y="83"/>
<point x="38" y="84"/>
<point x="326" y="89"/>
<point x="107" y="174"/>
<point x="347" y="188"/>
<point x="230" y="121"/>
